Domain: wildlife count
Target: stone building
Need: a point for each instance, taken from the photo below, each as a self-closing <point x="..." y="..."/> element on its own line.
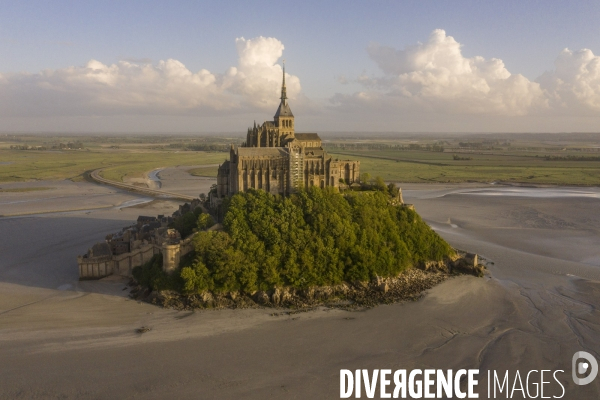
<point x="136" y="244"/>
<point x="278" y="160"/>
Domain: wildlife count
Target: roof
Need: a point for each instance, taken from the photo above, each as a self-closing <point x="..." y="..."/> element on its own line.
<point x="283" y="110"/>
<point x="273" y="152"/>
<point x="314" y="152"/>
<point x="101" y="249"/>
<point x="307" y="136"/>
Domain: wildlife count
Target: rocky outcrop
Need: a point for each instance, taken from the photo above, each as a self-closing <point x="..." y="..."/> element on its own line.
<point x="408" y="286"/>
<point x="463" y="266"/>
<point x="463" y="263"/>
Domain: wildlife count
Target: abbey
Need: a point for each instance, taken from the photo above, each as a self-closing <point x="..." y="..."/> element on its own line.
<point x="278" y="160"/>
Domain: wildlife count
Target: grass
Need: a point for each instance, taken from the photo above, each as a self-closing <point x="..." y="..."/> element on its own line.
<point x="138" y="164"/>
<point x="521" y="162"/>
<point x="27" y="189"/>
<point x="56" y="165"/>
<point x="441" y="168"/>
<point x="204" y="171"/>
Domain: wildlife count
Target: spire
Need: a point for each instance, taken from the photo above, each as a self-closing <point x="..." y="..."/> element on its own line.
<point x="284" y="109"/>
<point x="283" y="89"/>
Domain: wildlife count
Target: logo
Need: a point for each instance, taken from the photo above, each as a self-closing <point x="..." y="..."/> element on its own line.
<point x="581" y="368"/>
<point x="464" y="383"/>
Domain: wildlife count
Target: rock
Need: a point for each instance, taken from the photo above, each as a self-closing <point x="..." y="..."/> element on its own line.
<point x="383" y="287"/>
<point x="286" y="295"/>
<point x="323" y="293"/>
<point x="308" y="294"/>
<point x="443" y="266"/>
<point x="153" y="297"/>
<point x="195" y="301"/>
<point x="479" y="270"/>
<point x="423" y="265"/>
<point x="261" y="297"/>
<point x="472" y="259"/>
<point x="433" y="266"/>
<point x="207" y="296"/>
<point x="377" y="280"/>
<point x="276" y="296"/>
<point x="221" y="300"/>
<point x="466" y="266"/>
<point x="360" y="285"/>
<point x="407" y="286"/>
<point x="207" y="299"/>
<point x="341" y="289"/>
<point x="143" y="294"/>
<point x="168" y="299"/>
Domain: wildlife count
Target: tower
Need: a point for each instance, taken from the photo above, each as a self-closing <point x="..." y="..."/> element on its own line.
<point x="284" y="119"/>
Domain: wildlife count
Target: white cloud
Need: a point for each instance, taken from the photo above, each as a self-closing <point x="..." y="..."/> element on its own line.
<point x="436" y="76"/>
<point x="574" y="86"/>
<point x="258" y="77"/>
<point x="167" y="87"/>
<point x="427" y="86"/>
<point x="428" y="80"/>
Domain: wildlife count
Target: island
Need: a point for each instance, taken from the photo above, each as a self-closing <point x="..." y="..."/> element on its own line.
<point x="285" y="225"/>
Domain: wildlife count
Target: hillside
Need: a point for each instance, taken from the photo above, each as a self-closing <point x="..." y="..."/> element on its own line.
<point x="315" y="238"/>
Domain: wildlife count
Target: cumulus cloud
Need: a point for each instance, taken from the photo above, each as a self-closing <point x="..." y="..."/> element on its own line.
<point x="436" y="76"/>
<point x="257" y="77"/>
<point x="167" y="87"/>
<point x="574" y="85"/>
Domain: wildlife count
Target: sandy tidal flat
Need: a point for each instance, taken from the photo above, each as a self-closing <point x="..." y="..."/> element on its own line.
<point x="535" y="309"/>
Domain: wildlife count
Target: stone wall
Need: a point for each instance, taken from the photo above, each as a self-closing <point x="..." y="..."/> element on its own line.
<point x="123" y="264"/>
<point x="96" y="267"/>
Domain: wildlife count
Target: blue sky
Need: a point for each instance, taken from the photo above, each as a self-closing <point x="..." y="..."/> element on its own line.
<point x="325" y="44"/>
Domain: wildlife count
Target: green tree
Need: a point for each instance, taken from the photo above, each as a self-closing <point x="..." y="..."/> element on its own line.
<point x="205" y="221"/>
<point x="365" y="178"/>
<point x="185" y="224"/>
<point x="314" y="237"/>
<point x="197" y="278"/>
<point x="380" y="184"/>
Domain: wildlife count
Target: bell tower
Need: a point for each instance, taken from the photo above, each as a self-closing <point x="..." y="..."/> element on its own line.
<point x="284" y="119"/>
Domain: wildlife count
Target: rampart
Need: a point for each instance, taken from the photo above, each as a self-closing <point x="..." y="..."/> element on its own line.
<point x="97" y="267"/>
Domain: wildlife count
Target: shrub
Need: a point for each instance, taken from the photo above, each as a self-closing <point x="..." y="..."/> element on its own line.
<point x="204" y="221"/>
<point x="185" y="223"/>
<point x="152" y="275"/>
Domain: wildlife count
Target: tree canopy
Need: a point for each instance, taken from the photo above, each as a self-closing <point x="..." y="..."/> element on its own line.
<point x="315" y="237"/>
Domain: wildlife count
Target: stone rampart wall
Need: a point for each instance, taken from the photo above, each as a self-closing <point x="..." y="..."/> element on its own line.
<point x="123" y="264"/>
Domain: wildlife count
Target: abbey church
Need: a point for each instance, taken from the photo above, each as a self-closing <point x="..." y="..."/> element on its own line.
<point x="278" y="160"/>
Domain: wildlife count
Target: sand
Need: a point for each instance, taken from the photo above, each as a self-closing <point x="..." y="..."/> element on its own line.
<point x="536" y="308"/>
<point x="178" y="180"/>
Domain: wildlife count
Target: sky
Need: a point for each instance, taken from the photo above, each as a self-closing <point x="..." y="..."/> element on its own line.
<point x="367" y="66"/>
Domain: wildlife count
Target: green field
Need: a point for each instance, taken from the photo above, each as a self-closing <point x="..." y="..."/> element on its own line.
<point x="28" y="165"/>
<point x="204" y="171"/>
<point x="560" y="159"/>
<point x="26" y="189"/>
<point x="137" y="164"/>
<point x="422" y="166"/>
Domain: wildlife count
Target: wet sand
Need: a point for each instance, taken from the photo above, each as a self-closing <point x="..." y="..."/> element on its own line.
<point x="536" y="308"/>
